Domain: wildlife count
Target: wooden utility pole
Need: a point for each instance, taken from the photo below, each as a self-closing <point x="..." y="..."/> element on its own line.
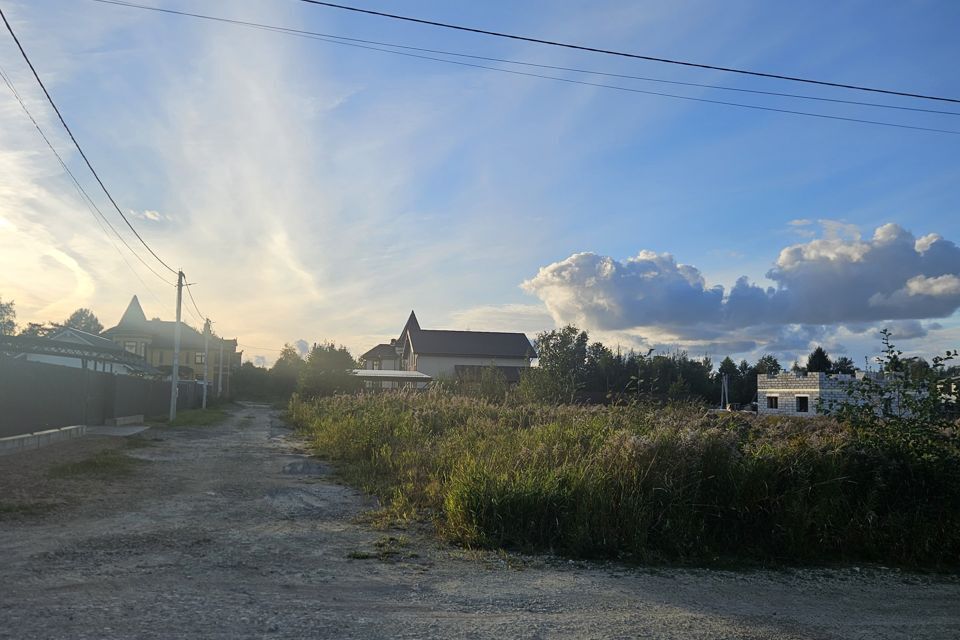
<point x="206" y="356"/>
<point x="176" y="350"/>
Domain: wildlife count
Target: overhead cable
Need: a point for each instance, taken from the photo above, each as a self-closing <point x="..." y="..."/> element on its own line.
<point x="556" y="78"/>
<point x="77" y="144"/>
<point x="84" y="196"/>
<point x="320" y="36"/>
<point x="776" y="76"/>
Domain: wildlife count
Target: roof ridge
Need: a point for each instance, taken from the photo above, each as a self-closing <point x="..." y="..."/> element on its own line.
<point x="506" y="333"/>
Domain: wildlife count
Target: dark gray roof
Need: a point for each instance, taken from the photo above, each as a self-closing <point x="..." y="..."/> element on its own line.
<point x="380" y="352"/>
<point x="135" y="323"/>
<point x="134" y="314"/>
<point x="412" y="324"/>
<point x="470" y="343"/>
<point x="69" y="334"/>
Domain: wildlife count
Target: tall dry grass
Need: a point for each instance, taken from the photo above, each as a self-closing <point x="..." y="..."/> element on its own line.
<point x="644" y="483"/>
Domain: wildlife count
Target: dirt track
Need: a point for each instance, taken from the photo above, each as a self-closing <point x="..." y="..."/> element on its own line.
<point x="230" y="532"/>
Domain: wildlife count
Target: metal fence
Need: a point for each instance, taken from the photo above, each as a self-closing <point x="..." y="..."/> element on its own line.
<point x="36" y="396"/>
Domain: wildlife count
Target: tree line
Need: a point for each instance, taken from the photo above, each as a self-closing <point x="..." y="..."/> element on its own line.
<point x="82" y="319"/>
<point x="325" y="371"/>
<point x="573" y="369"/>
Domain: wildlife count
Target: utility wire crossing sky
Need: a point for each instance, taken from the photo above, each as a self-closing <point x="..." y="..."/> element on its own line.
<point x="272" y="169"/>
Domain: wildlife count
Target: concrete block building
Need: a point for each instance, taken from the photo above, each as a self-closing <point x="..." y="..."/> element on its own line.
<point x="799" y="394"/>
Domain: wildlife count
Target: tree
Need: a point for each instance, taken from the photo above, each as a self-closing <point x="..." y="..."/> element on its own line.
<point x="36" y="330"/>
<point x="729" y="367"/>
<point x="917" y="368"/>
<point x="910" y="415"/>
<point x="8" y="318"/>
<point x="83" y="320"/>
<point x="818" y="360"/>
<point x="286" y="371"/>
<point x="768" y="364"/>
<point x="251" y="382"/>
<point x="746" y="390"/>
<point x="328" y="371"/>
<point x="843" y="364"/>
<point x="562" y="355"/>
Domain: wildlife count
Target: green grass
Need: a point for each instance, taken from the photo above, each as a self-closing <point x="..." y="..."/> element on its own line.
<point x="193" y="418"/>
<point x="387" y="548"/>
<point x="15" y="509"/>
<point x="645" y="484"/>
<point x="105" y="464"/>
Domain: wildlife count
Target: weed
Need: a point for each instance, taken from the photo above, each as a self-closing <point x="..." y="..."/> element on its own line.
<point x="14" y="509"/>
<point x="641" y="483"/>
<point x="107" y="463"/>
<point x="387" y="548"/>
<point x="138" y="442"/>
<point x="193" y="418"/>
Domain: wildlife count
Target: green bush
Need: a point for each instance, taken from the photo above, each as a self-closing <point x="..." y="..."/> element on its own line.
<point x="644" y="483"/>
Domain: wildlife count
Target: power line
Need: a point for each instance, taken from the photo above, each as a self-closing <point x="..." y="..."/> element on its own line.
<point x="331" y="40"/>
<point x="190" y="293"/>
<point x="84" y="196"/>
<point x="247" y="346"/>
<point x="77" y="144"/>
<point x="622" y="54"/>
<point x="316" y="35"/>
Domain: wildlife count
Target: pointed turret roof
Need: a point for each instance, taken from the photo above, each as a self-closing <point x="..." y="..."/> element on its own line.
<point x="134" y="314"/>
<point x="412" y="325"/>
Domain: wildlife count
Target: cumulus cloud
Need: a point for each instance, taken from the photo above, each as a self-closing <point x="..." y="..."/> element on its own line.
<point x="302" y="347"/>
<point x="839" y="278"/>
<point x="648" y="290"/>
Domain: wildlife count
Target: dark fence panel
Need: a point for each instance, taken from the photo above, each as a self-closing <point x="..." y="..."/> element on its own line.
<point x="36" y="396"/>
<point x="134" y="396"/>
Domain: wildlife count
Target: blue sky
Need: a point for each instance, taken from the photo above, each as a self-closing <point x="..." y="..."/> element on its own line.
<point x="319" y="192"/>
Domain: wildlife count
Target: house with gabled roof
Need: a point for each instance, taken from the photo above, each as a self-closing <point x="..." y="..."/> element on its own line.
<point x="153" y="341"/>
<point x="69" y="347"/>
<point x="452" y="354"/>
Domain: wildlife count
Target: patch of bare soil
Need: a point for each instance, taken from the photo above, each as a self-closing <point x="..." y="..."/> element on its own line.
<point x="232" y="532"/>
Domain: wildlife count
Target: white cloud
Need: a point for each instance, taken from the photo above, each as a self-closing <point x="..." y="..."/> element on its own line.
<point x="837" y="279"/>
<point x="150" y="215"/>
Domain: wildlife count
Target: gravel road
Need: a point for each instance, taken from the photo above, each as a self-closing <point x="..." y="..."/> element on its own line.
<point x="233" y="532"/>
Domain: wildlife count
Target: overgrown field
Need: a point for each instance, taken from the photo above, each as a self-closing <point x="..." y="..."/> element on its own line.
<point x="646" y="483"/>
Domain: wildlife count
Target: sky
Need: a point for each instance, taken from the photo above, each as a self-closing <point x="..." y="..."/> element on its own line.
<point x="318" y="192"/>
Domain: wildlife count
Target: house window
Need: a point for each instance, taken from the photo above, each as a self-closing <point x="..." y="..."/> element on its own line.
<point x="803" y="404"/>
<point x="773" y="402"/>
<point x="130" y="346"/>
<point x="198" y="358"/>
<point x="377" y="365"/>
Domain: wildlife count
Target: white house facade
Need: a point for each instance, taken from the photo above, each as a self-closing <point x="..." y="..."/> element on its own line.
<point x="451" y="355"/>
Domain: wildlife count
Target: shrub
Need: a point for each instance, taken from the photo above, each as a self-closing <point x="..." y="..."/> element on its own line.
<point x="643" y="482"/>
